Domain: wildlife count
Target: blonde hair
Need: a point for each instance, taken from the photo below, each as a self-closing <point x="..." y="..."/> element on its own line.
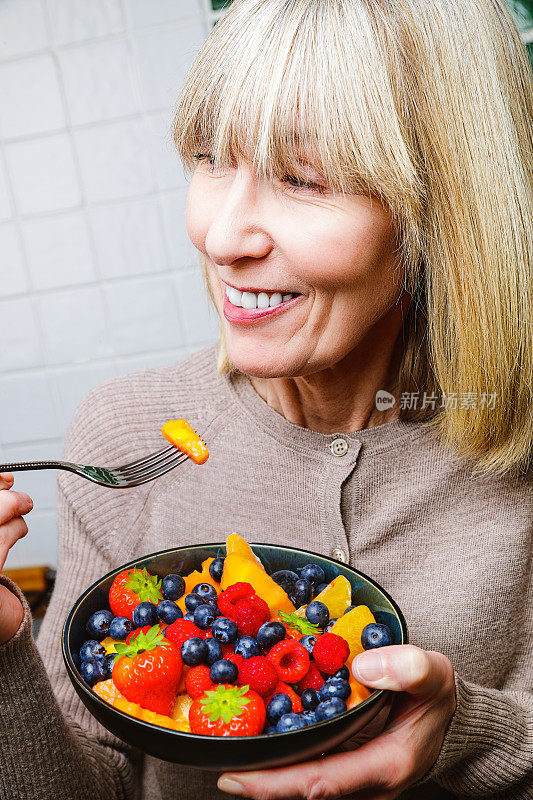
<point x="428" y="105"/>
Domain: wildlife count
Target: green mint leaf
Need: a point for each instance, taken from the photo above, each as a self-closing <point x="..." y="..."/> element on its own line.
<point x="301" y="624"/>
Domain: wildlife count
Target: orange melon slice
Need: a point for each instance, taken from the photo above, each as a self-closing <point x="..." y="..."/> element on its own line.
<point x="350" y="626"/>
<point x="336" y="596"/>
<point x="198" y="576"/>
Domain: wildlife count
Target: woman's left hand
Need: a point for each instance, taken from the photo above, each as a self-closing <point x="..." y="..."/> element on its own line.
<point x="384" y="767"/>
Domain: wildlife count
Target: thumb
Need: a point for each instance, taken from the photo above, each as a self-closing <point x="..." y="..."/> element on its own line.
<point x="403" y="668"/>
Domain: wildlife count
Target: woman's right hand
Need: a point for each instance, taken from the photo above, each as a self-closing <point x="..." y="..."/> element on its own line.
<point x="13" y="505"/>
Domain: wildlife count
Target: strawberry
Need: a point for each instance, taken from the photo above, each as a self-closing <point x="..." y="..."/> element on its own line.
<point x="228" y="710"/>
<point x="131" y="587"/>
<point x="147" y="671"/>
<point x="146" y="628"/>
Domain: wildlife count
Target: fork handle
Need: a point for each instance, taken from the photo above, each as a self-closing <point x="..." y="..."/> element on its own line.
<point x="28" y="465"/>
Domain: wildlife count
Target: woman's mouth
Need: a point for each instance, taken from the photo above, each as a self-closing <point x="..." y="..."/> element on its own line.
<point x="245" y="307"/>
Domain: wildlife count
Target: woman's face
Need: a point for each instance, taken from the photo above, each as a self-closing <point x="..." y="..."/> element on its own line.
<point x="318" y="271"/>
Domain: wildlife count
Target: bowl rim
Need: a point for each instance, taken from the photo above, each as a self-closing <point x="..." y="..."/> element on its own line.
<point x="73" y="670"/>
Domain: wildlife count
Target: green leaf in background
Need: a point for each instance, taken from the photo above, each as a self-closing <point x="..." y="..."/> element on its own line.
<point x="522" y="11"/>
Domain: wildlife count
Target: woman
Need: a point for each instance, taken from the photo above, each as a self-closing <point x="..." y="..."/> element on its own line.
<point x="362" y="203"/>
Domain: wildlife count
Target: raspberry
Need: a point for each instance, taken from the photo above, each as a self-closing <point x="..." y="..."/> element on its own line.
<point x="330" y="652"/>
<point x="227" y="599"/>
<point x="198" y="681"/>
<point x="288" y="690"/>
<point x="250" y="613"/>
<point x="181" y="630"/>
<point x="312" y="679"/>
<point x="260" y="674"/>
<point x="291" y="660"/>
<point x="240" y="603"/>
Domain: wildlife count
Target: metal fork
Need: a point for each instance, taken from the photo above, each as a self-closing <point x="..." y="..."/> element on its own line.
<point x="124" y="477"/>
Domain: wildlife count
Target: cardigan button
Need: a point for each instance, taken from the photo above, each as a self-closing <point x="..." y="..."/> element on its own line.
<point x="340" y="555"/>
<point x="339" y="447"/>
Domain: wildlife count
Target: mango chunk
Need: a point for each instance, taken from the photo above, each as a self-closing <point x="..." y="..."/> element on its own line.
<point x="242" y="565"/>
<point x="179" y="433"/>
<point x="350" y="626"/>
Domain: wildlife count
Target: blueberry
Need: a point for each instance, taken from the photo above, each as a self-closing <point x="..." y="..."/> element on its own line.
<point x="330" y="624"/>
<point x="98" y="625"/>
<point x="343" y="673"/>
<point x="376" y="635"/>
<point x="246" y="646"/>
<point x="224" y="630"/>
<point x="205" y="591"/>
<point x="321" y="587"/>
<point x="204" y="616"/>
<point x="172" y="587"/>
<point x="334" y="687"/>
<point x="120" y="627"/>
<point x="310" y="699"/>
<point x="91" y="648"/>
<point x="313" y="573"/>
<point x="309" y="717"/>
<point x="145" y="614"/>
<point x="224" y="671"/>
<point x="317" y="613"/>
<point x="285" y="578"/>
<point x="302" y="591"/>
<point x="215" y="569"/>
<point x="92" y="670"/>
<point x="194" y="651"/>
<point x="168" y="611"/>
<point x="290" y="722"/>
<point x="189" y="615"/>
<point x="192" y="601"/>
<point x="270" y="730"/>
<point x="330" y="708"/>
<point x="308" y="642"/>
<point x="280" y="704"/>
<point x="214" y="651"/>
<point x="108" y="663"/>
<point x="269" y="634"/>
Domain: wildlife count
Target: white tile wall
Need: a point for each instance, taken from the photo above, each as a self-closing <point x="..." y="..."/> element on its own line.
<point x="97" y="274"/>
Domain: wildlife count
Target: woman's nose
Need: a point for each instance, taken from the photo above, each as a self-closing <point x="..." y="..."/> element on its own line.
<point x="238" y="229"/>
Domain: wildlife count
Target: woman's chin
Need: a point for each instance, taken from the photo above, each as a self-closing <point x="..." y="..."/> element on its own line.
<point x="260" y="363"/>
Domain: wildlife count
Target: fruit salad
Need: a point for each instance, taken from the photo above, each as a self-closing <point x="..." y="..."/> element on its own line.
<point x="230" y="650"/>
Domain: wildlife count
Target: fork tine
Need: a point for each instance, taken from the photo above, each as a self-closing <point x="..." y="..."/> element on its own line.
<point x="149" y="465"/>
<point x="146" y="459"/>
<point x="140" y="478"/>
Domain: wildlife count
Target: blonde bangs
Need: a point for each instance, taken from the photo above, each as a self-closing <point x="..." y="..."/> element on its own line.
<point x="299" y="93"/>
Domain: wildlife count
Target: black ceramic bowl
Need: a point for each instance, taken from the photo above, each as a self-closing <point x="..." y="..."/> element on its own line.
<point x="230" y="752"/>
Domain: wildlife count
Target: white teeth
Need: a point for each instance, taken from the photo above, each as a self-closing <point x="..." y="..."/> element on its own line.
<point x="234" y="296"/>
<point x="263" y="300"/>
<point x="249" y="300"/>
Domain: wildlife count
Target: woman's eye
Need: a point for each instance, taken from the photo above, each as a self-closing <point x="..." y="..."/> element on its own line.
<point x="205" y="157"/>
<point x="297" y="183"/>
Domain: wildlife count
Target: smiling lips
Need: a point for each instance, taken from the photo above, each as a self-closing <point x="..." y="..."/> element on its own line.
<point x="246" y="307"/>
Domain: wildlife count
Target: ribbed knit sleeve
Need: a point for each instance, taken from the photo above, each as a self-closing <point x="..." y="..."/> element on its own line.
<point x="488" y="748"/>
<point x="50" y="747"/>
